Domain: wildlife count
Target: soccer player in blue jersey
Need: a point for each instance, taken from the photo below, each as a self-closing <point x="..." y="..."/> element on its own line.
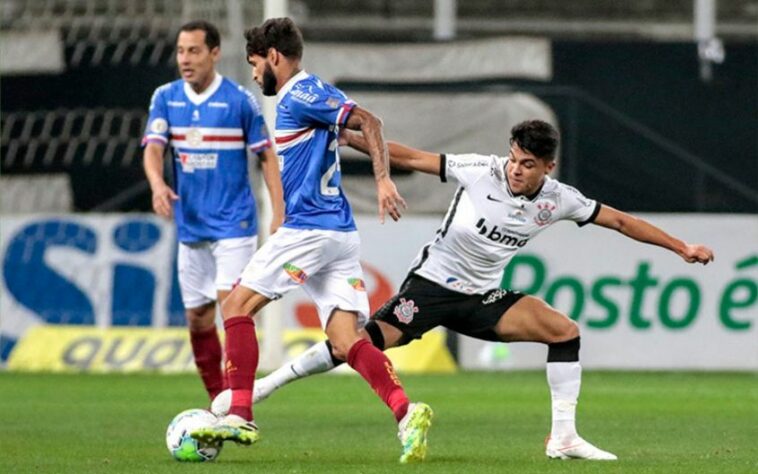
<point x="211" y="124"/>
<point x="318" y="247"/>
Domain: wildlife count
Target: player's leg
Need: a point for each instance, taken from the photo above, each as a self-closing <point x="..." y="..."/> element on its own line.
<point x="530" y="319"/>
<point x="414" y="419"/>
<point x="230" y="257"/>
<point x="196" y="273"/>
<point x="389" y="327"/>
<point x="267" y="276"/>
<point x="343" y="308"/>
<point x="367" y="360"/>
<point x="241" y="363"/>
<point x="316" y="359"/>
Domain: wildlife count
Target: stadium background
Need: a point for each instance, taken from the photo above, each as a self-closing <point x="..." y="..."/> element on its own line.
<point x="659" y="116"/>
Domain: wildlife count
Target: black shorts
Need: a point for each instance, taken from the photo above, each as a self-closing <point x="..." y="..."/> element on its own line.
<point x="423" y="305"/>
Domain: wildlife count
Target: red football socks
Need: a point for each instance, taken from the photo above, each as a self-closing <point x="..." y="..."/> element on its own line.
<point x="377" y="370"/>
<point x="241" y="363"/>
<point x="206" y="347"/>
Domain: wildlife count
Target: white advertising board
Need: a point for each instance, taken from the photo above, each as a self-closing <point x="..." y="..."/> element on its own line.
<point x="638" y="306"/>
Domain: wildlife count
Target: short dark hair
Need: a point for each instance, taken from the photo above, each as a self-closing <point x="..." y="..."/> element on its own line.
<point x="212" y="36"/>
<point x="537" y="137"/>
<point x="279" y="33"/>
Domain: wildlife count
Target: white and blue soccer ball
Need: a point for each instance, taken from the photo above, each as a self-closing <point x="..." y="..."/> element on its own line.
<point x="182" y="446"/>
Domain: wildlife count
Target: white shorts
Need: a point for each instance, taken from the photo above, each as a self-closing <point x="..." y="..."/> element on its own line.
<point x="325" y="263"/>
<point x="208" y="267"/>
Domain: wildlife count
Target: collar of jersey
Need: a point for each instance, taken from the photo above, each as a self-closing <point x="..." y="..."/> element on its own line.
<point x="198" y="99"/>
<point x="288" y="85"/>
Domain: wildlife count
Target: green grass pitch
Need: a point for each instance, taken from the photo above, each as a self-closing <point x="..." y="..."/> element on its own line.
<point x="484" y="422"/>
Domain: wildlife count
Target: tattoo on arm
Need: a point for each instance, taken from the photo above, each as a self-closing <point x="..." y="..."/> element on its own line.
<point x="371" y="129"/>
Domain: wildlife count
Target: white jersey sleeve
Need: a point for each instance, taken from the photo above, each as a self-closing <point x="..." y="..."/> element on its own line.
<point x="576" y="207"/>
<point x="466" y="169"/>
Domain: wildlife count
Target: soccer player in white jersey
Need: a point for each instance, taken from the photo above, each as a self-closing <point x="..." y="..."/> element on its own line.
<point x="318" y="247"/>
<point x="500" y="205"/>
<point x="210" y="123"/>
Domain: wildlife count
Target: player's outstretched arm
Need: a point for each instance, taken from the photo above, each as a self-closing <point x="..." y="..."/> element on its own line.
<point x="273" y="179"/>
<point x="370" y="126"/>
<point x="401" y="156"/>
<point x="163" y="195"/>
<point x="643" y="231"/>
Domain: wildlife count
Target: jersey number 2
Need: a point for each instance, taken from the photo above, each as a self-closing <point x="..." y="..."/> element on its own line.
<point x="327" y="190"/>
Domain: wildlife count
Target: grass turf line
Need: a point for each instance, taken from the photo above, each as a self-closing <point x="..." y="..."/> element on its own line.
<point x="484" y="422"/>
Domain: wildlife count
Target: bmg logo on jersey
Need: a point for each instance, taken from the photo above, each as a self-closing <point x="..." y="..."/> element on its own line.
<point x="499" y="234"/>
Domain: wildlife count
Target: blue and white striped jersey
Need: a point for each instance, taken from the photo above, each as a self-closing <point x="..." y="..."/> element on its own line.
<point x="209" y="135"/>
<point x="310" y="113"/>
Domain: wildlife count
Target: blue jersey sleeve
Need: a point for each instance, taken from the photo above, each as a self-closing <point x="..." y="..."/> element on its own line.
<point x="320" y="107"/>
<point x="157" y="130"/>
<point x="253" y="124"/>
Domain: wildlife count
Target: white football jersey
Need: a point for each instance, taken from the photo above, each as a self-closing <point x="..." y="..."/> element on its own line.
<point x="486" y="224"/>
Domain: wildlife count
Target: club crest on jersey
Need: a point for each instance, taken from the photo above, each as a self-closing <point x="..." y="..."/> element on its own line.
<point x="332" y="102"/>
<point x="297" y="274"/>
<point x="405" y="310"/>
<point x="357" y="283"/>
<point x="194" y="137"/>
<point x="545" y="213"/>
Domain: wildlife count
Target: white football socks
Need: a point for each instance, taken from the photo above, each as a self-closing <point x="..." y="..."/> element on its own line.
<point x="315" y="360"/>
<point x="565" y="380"/>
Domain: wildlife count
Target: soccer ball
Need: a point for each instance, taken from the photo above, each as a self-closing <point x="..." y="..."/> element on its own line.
<point x="182" y="446"/>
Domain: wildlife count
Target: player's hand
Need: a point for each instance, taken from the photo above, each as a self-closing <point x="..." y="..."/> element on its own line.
<point x="163" y="198"/>
<point x="390" y="201"/>
<point x="696" y="253"/>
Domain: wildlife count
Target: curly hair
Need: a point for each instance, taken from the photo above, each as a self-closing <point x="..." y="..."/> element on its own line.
<point x="279" y="33"/>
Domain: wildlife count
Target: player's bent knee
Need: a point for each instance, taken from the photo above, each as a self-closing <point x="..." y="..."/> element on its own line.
<point x="338" y="352"/>
<point x="570" y="331"/>
<point x="559" y="328"/>
<point x="341" y="347"/>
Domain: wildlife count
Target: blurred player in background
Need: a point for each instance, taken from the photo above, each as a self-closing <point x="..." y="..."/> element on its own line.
<point x="500" y="205"/>
<point x="318" y="247"/>
<point x="210" y="123"/>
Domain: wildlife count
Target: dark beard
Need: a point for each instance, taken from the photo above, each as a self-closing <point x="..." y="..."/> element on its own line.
<point x="268" y="86"/>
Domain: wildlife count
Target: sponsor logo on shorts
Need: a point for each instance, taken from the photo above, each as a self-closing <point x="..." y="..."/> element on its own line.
<point x="495" y="296"/>
<point x="295" y="273"/>
<point x="357" y="283"/>
<point x="460" y="285"/>
<point x="405" y="310"/>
